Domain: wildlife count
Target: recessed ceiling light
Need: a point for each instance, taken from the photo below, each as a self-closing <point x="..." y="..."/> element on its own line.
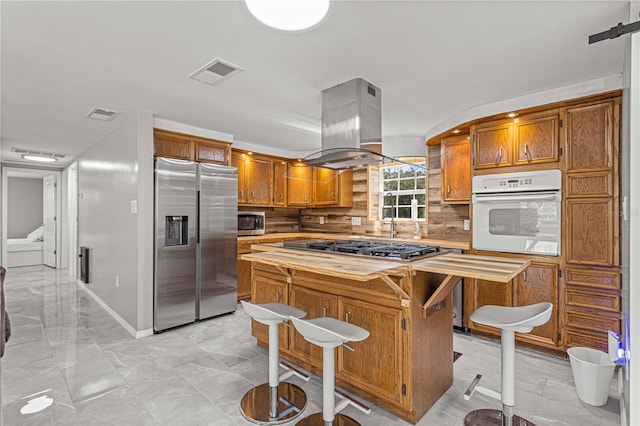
<point x="39" y="158"/>
<point x="512" y="114"/>
<point x="289" y="15"/>
<point x="455" y="131"/>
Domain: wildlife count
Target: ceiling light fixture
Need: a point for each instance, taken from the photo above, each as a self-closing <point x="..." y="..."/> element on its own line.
<point x="456" y="131"/>
<point x="289" y="15"/>
<point x="512" y="114"/>
<point x="39" y="158"/>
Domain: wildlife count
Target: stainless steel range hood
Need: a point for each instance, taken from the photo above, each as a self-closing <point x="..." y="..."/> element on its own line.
<point x="351" y="126"/>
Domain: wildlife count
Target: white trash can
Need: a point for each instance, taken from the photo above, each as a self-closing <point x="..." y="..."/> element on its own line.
<point x="592" y="373"/>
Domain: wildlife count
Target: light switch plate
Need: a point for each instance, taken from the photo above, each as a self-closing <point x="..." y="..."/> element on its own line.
<point x="321" y="220"/>
<point x="356" y="221"/>
<point x="465" y="224"/>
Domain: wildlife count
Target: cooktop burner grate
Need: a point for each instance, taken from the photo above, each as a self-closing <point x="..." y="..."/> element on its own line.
<point x="391" y="251"/>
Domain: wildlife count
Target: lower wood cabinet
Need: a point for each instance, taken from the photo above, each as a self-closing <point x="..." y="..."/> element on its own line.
<point x="269" y="286"/>
<point x="538" y="283"/>
<point x="382" y="374"/>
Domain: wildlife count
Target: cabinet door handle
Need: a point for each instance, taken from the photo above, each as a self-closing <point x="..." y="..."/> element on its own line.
<point x="325" y="308"/>
<point x="253" y="194"/>
<point x="346" y="316"/>
<point x="499" y="155"/>
<point x="306" y="198"/>
<point x="524" y="275"/>
<point x="333" y="196"/>
<point x="278" y="297"/>
<point x="241" y="193"/>
<point x="448" y="190"/>
<point x="527" y="153"/>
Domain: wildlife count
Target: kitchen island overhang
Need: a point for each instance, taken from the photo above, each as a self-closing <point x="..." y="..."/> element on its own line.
<point x="407" y="363"/>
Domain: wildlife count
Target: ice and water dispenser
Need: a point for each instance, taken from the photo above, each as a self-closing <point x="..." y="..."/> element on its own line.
<point x="176" y="231"/>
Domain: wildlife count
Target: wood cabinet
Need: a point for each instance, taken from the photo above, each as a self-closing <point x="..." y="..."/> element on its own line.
<point x="592" y="204"/>
<point x="318" y="187"/>
<point x="299" y="185"/>
<point x="315" y="304"/>
<point x="538" y="283"/>
<point x="591" y="306"/>
<point x="268" y="286"/>
<point x="383" y="372"/>
<point x="280" y="183"/>
<point x="455" y="161"/>
<point x="191" y="148"/>
<point x="255" y="179"/>
<point x="528" y="140"/>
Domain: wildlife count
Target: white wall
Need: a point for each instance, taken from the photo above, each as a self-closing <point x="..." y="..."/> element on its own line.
<point x="108" y="180"/>
<point x="24" y="206"/>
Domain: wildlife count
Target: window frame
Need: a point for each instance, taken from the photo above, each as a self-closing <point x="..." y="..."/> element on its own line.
<point x="382" y="193"/>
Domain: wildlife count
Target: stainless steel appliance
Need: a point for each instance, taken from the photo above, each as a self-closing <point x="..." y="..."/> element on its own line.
<point x="195" y="274"/>
<point x="518" y="212"/>
<point x="251" y="223"/>
<point x="390" y="251"/>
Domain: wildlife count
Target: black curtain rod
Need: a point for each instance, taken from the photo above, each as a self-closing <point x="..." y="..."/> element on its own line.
<point x="615" y="32"/>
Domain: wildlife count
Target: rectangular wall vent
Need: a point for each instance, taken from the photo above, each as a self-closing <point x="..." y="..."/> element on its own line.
<point x="37" y="152"/>
<point x="214" y="72"/>
<point x="102" y="114"/>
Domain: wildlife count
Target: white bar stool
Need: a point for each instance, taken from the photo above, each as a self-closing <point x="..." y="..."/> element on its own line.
<point x="330" y="333"/>
<point x="277" y="401"/>
<point x="509" y="320"/>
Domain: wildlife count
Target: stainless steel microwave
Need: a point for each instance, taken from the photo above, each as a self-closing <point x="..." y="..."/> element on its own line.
<point x="250" y="223"/>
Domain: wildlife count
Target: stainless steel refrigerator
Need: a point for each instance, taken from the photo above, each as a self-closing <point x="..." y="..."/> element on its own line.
<point x="196" y="228"/>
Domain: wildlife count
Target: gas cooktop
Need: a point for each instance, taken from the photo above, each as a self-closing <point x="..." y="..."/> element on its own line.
<point x="386" y="250"/>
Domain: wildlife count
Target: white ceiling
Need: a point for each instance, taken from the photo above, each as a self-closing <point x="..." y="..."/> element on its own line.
<point x="432" y="60"/>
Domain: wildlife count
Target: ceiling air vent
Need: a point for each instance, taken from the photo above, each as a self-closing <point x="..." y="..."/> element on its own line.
<point x="37" y="152"/>
<point x="214" y="72"/>
<point x="102" y="114"/>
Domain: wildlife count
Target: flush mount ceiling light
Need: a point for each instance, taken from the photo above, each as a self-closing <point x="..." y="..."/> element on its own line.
<point x="289" y="15"/>
<point x="39" y="158"/>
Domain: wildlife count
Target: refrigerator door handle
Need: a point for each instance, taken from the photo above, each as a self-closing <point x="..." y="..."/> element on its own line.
<point x="198" y="217"/>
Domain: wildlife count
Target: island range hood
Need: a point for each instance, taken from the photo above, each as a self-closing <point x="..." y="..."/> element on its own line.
<point x="351" y="126"/>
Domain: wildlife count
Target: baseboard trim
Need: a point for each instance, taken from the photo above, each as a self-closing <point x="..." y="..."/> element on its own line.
<point x="135" y="333"/>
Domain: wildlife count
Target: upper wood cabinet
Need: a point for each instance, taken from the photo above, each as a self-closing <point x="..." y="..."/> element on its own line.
<point x="318" y="187"/>
<point x="255" y="179"/>
<point x="589" y="138"/>
<point x="280" y="183"/>
<point x="455" y="163"/>
<point x="191" y="148"/>
<point x="522" y="141"/>
<point x="299" y="185"/>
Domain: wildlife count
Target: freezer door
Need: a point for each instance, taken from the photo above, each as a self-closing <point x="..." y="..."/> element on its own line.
<point x="218" y="286"/>
<point x="174" y="289"/>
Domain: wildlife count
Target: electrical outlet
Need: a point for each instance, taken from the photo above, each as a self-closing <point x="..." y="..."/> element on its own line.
<point x="356" y="221"/>
<point x="466" y="224"/>
<point x="321" y="220"/>
<point x="117" y="281"/>
<point x="133" y="206"/>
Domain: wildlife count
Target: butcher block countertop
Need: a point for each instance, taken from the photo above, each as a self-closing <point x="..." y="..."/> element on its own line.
<point x="362" y="268"/>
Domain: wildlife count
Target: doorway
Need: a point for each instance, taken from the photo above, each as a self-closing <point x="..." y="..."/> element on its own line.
<point x="21" y="245"/>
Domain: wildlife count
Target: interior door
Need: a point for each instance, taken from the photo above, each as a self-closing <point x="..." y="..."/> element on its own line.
<point x="49" y="220"/>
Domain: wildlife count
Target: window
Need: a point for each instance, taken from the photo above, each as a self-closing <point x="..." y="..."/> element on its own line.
<point x="403" y="192"/>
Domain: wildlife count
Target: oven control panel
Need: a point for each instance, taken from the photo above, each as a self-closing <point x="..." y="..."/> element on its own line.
<point x="542" y="180"/>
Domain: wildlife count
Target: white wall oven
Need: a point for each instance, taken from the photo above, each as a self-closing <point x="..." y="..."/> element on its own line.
<point x="518" y="212"/>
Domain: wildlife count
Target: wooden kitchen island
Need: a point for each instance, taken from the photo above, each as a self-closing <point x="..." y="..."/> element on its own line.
<point x="406" y="364"/>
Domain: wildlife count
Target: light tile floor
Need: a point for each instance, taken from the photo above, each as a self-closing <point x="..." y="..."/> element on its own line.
<point x="65" y="346"/>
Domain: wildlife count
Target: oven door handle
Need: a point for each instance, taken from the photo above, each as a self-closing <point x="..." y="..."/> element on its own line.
<point x="542" y="196"/>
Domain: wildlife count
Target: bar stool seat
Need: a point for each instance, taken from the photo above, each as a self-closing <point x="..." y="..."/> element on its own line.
<point x="329" y="333"/>
<point x="275" y="402"/>
<point x="509" y="320"/>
